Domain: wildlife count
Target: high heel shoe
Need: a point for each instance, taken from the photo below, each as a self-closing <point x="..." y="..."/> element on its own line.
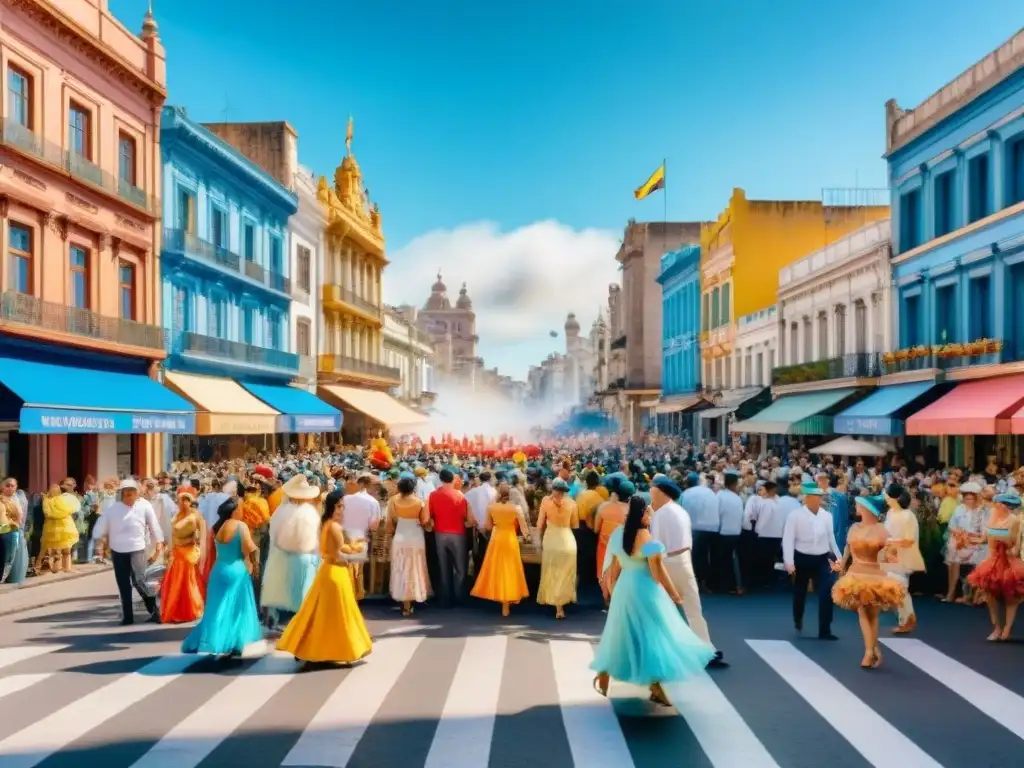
<point x="601" y="684"/>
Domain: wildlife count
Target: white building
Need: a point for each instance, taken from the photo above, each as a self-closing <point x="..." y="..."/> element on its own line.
<point x="306" y="236"/>
<point x="411" y="351"/>
<point x="834" y="305"/>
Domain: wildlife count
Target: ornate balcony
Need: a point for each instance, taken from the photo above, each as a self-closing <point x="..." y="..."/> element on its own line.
<point x="860" y="365"/>
<point x="948" y="356"/>
<point x="340" y="299"/>
<point x="353" y="367"/>
<point x="184" y="242"/>
<point x="21" y="309"/>
<point x="27" y="142"/>
<point x="188" y="343"/>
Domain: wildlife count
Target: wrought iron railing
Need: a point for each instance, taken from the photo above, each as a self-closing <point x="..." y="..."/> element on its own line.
<point x="181" y="241"/>
<point x="343" y="364"/>
<point x="858" y="365"/>
<point x="299" y="293"/>
<point x="255" y="271"/>
<point x="16" y="135"/>
<point x="353" y="300"/>
<point x="59" y="318"/>
<point x="279" y="282"/>
<point x="197" y="343"/>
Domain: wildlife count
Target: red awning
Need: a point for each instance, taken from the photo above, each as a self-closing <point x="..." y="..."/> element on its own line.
<point x="982" y="407"/>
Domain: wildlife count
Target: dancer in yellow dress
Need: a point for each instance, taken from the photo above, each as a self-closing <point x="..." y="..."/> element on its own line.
<point x="501" y="576"/>
<point x="866" y="588"/>
<point x="59" y="531"/>
<point x="329" y="627"/>
<point x="556" y="521"/>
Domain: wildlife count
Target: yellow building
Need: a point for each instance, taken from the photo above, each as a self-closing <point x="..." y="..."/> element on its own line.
<point x="741" y="255"/>
<point x="350" y="372"/>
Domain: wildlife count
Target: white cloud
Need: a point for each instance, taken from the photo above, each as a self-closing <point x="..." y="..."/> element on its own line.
<point x="523" y="283"/>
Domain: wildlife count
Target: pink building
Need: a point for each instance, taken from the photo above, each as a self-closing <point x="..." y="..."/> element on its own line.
<point x="79" y="216"/>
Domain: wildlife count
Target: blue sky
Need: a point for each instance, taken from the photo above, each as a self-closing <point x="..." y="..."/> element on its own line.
<point x="513" y="127"/>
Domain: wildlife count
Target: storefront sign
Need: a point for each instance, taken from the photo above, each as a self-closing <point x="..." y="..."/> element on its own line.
<point x="853" y="425"/>
<point x="59" y="421"/>
<point x="303" y="424"/>
<point x="233" y="424"/>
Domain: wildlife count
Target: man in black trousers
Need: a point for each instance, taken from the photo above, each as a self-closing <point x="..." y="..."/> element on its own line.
<point x="808" y="550"/>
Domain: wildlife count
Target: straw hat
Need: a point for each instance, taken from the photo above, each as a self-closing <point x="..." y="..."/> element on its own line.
<point x="299" y="488"/>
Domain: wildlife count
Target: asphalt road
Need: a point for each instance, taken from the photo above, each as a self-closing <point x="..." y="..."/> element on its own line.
<point x="467" y="689"/>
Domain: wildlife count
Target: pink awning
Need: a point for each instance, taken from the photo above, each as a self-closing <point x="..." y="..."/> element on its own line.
<point x="982" y="407"/>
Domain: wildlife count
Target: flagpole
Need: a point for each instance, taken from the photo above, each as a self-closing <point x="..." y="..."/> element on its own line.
<point x="664" y="194"/>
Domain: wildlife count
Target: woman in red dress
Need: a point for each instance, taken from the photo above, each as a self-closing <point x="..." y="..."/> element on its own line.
<point x="1001" y="575"/>
<point x="181" y="599"/>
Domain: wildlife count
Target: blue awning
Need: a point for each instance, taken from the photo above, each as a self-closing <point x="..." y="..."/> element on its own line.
<point x="64" y="399"/>
<point x="301" y="411"/>
<point x="875" y="414"/>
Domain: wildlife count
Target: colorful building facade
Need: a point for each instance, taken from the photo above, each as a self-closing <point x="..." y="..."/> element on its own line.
<point x="680" y="330"/>
<point x="351" y="372"/>
<point x="956" y="170"/>
<point x="80" y="332"/>
<point x="227" y="296"/>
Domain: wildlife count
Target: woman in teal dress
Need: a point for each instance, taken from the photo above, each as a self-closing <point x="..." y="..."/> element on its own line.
<point x="645" y="639"/>
<point x="230" y="621"/>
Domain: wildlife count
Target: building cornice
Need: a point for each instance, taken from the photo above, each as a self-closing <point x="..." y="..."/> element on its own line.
<point x="175" y="119"/>
<point x="71" y="33"/>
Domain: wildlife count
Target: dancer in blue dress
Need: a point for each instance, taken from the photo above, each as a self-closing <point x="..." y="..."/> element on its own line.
<point x="645" y="639"/>
<point x="230" y="621"/>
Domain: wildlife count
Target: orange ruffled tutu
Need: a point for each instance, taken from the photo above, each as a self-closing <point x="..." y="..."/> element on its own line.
<point x="859" y="590"/>
<point x="999" y="574"/>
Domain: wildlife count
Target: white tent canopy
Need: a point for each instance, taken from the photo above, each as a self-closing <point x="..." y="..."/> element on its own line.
<point x="850" y="446"/>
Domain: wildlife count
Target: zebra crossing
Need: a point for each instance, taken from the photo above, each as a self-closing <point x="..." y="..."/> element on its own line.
<point x="504" y="700"/>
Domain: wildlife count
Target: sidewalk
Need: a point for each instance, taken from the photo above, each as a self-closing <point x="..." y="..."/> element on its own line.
<point x="39" y="591"/>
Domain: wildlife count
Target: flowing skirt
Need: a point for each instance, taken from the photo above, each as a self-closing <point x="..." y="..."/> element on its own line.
<point x="557" y="567"/>
<point x="999" y="575"/>
<point x="501" y="576"/>
<point x="180" y="598"/>
<point x="645" y="640"/>
<point x="230" y="621"/>
<point x="207" y="562"/>
<point x="329" y="627"/>
<point x="287" y="579"/>
<point x="59" y="534"/>
<point x="883" y="591"/>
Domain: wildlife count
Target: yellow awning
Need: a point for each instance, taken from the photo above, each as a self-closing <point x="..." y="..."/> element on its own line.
<point x="379" y="406"/>
<point x="223" y="406"/>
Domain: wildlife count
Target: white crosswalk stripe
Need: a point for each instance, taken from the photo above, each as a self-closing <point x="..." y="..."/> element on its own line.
<point x="349" y="716"/>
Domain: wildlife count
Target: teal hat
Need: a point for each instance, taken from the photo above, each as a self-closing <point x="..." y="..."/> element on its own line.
<point x="623" y="489"/>
<point x="872" y="504"/>
<point x="1008" y="499"/>
<point x="811" y="489"/>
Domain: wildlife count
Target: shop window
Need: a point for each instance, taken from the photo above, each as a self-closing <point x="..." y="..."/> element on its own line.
<point x="125" y="455"/>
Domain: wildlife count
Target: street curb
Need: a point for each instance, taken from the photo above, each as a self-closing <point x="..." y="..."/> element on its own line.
<point x="34" y="583"/>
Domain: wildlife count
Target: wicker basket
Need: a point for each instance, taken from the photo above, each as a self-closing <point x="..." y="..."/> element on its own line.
<point x="380" y="558"/>
<point x="530" y="552"/>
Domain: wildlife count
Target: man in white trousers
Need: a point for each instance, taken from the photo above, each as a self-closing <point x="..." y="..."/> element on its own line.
<point x="670" y="524"/>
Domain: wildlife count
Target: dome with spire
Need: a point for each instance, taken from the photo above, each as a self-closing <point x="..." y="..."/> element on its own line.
<point x="571" y="323"/>
<point x="463" y="301"/>
<point x="439" y="286"/>
<point x="438" y="296"/>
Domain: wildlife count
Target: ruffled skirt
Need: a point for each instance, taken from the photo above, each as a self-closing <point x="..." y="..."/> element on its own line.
<point x="867" y="590"/>
<point x="1000" y="575"/>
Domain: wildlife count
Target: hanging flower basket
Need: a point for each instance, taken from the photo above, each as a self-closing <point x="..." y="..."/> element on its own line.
<point x="901" y="354"/>
<point x="992" y="346"/>
<point x="976" y="348"/>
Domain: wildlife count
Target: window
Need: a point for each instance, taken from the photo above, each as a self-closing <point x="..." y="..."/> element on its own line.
<point x="981" y="307"/>
<point x="808" y="341"/>
<point x="724" y="316"/>
<point x="303" y="265"/>
<point x="79" y="288"/>
<point x="860" y="326"/>
<point x="218" y="318"/>
<point x="219" y="228"/>
<point x="1016" y="185"/>
<point x="248" y="313"/>
<point x="303" y="337"/>
<point x="126" y="274"/>
<point x="823" y="335"/>
<point x="20" y="250"/>
<point x="910" y="317"/>
<point x="273" y="331"/>
<point x="19" y="97"/>
<point x="182" y="309"/>
<point x="910" y="220"/>
<point x="275" y="255"/>
<point x="840" y="330"/>
<point x="945" y="220"/>
<point x="980" y="199"/>
<point x="946" y="319"/>
<point x="715" y="304"/>
<point x="126" y="159"/>
<point x="80" y="131"/>
<point x="186" y="211"/>
<point x="249" y="243"/>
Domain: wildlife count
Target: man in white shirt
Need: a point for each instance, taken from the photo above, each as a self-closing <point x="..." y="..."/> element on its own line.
<point x="730" y="512"/>
<point x="479" y="498"/>
<point x="701" y="503"/>
<point x="362" y="516"/>
<point x="124" y="529"/>
<point x="670" y="525"/>
<point x="808" y="550"/>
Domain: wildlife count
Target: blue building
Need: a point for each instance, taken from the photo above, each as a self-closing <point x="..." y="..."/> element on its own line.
<point x="227" y="293"/>
<point x="680" y="362"/>
<point x="956" y="171"/>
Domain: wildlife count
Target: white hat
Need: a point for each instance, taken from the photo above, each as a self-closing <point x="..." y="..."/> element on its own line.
<point x="299" y="488"/>
<point x="970" y="487"/>
<point x="128" y="484"/>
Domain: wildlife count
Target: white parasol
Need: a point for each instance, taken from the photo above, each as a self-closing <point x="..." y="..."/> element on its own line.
<point x="850" y="446"/>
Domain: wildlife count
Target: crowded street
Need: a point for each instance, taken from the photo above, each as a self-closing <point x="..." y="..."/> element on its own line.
<point x="464" y="689"/>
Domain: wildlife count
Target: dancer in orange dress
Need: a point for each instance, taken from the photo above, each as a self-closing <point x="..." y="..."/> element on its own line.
<point x="1001" y="574"/>
<point x="181" y="600"/>
<point x="866" y="588"/>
